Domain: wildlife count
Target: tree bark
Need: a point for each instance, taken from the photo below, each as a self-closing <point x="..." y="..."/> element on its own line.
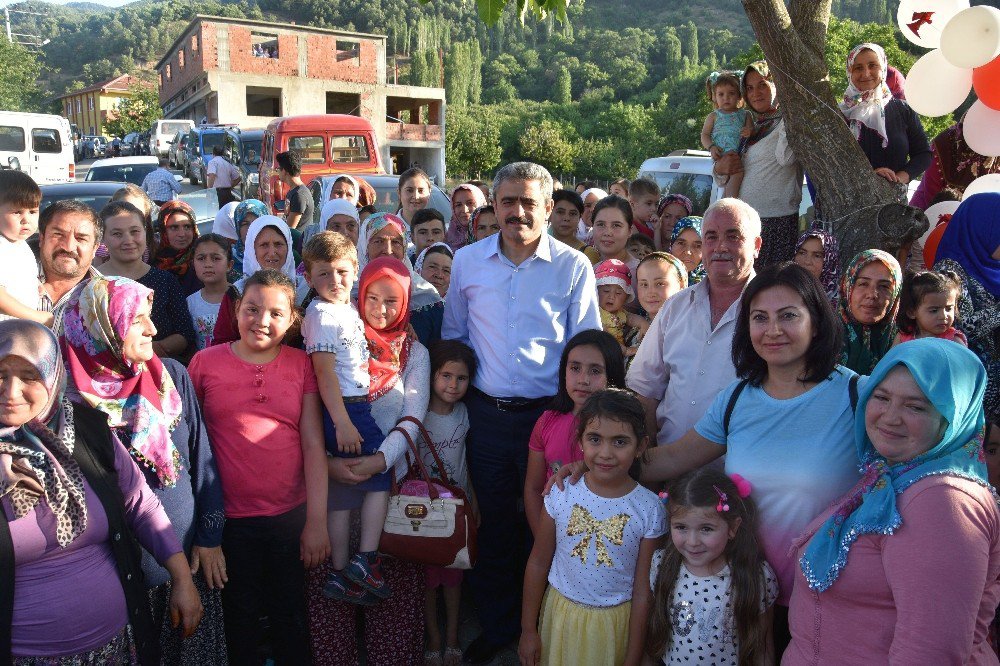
<point x="862" y="208"/>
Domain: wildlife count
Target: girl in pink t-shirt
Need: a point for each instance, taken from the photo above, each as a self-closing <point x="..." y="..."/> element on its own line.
<point x="591" y="361"/>
<point x="262" y="410"/>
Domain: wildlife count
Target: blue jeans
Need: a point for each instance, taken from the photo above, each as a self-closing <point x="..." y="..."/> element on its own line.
<point x="497" y="453"/>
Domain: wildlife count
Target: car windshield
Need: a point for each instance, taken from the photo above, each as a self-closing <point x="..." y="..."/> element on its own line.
<point x="696" y="187"/>
<point x="209" y="141"/>
<point x="249" y="146"/>
<point x="121" y="173"/>
<point x="387" y="200"/>
<point x="173" y="128"/>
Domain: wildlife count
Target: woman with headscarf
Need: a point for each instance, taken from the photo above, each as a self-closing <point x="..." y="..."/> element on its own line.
<point x="177" y="225"/>
<point x="384" y="234"/>
<point x="225" y="224"/>
<point x="434" y="265"/>
<point x="243" y="215"/>
<point x="887" y="129"/>
<point x="345" y="187"/>
<point x="268" y="245"/>
<point x="772" y="177"/>
<point x="819" y="253"/>
<point x="671" y="209"/>
<point x="869" y="300"/>
<point x="905" y="567"/>
<point x="400" y="374"/>
<point x="152" y="409"/>
<point x="465" y="199"/>
<point x="970" y="247"/>
<point x="953" y="165"/>
<point x="338" y="215"/>
<point x="73" y="503"/>
<point x="685" y="244"/>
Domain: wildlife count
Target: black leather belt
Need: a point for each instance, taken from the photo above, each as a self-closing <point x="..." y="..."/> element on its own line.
<point x="512" y="404"/>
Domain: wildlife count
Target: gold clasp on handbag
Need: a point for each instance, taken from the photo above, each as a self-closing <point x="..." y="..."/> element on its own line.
<point x="415" y="511"/>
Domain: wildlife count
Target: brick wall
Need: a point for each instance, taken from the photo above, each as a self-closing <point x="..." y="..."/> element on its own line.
<point x="323" y="63"/>
<point x="242" y="59"/>
<point x="195" y="62"/>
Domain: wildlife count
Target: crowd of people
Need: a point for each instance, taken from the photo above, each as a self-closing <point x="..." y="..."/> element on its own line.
<point x="683" y="437"/>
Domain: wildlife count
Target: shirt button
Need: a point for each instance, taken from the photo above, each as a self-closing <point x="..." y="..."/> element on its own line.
<point x="118" y="536"/>
<point x="701" y="372"/>
<point x="128" y="576"/>
<point x="512" y="325"/>
<point x="709" y="342"/>
<point x="692" y="402"/>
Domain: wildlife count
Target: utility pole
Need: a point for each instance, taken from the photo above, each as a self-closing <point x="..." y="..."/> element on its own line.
<point x="36" y="40"/>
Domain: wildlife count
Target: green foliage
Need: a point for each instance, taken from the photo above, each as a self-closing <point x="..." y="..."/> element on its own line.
<point x="472" y="142"/>
<point x="563" y="93"/>
<point x="19" y="70"/>
<point x="136" y="113"/>
<point x="550" y="144"/>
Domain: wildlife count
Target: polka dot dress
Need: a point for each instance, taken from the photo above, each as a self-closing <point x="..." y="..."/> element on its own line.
<point x="701" y="614"/>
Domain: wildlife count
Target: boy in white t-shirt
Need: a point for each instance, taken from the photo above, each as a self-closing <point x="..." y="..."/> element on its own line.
<point x="334" y="338"/>
<point x="19" y="285"/>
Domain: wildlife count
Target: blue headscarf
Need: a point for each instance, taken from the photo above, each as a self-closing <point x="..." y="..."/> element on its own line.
<point x="954" y="381"/>
<point x="973" y="234"/>
<point x="258" y="208"/>
<point x="689" y="222"/>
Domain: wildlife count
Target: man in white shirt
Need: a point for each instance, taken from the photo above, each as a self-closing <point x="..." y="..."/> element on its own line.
<point x="222" y="176"/>
<point x="685" y="358"/>
<point x="516" y="298"/>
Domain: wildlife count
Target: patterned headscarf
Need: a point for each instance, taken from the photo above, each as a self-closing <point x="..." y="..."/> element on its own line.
<point x="371" y="226"/>
<point x="474" y="218"/>
<point x="36" y="459"/>
<point x="764" y="122"/>
<point x="677" y="199"/>
<point x="690" y="222"/>
<point x="954" y="381"/>
<point x="137" y="397"/>
<point x="458" y="234"/>
<point x="830" y="275"/>
<point x="388" y="348"/>
<point x="258" y="208"/>
<point x="865" y="345"/>
<point x="169" y="258"/>
<point x="867" y="108"/>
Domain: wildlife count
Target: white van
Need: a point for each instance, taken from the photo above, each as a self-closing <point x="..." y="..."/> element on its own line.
<point x="41" y="142"/>
<point x="163" y="132"/>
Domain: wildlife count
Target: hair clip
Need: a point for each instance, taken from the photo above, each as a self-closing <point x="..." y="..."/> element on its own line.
<point x="664" y="498"/>
<point x="714" y="76"/>
<point x="743" y="486"/>
<point x="723" y="504"/>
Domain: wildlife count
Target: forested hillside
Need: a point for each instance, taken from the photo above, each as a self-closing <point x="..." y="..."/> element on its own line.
<point x="617" y="82"/>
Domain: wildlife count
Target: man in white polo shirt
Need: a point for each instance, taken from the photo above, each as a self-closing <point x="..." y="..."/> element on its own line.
<point x="222" y="176"/>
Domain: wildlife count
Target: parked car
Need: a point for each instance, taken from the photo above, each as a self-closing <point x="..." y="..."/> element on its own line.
<point x="387" y="194"/>
<point x="249" y="162"/>
<point x="201" y="141"/>
<point x="163" y="132"/>
<point x="123" y="169"/>
<point x="41" y="142"/>
<point x="176" y="153"/>
<point x="329" y="144"/>
<point x="95" y="146"/>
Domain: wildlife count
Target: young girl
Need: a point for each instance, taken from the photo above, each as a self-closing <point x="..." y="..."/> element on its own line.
<point x="659" y="276"/>
<point x="614" y="291"/>
<point x="612" y="228"/>
<point x="725" y="126"/>
<point x="928" y="303"/>
<point x="262" y="411"/>
<point x="591" y="361"/>
<point x="594" y="543"/>
<point x="212" y="263"/>
<point x="453" y="366"/>
<point x="713" y="593"/>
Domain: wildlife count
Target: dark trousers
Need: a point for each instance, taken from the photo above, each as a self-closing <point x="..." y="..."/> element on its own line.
<point x="497" y="453"/>
<point x="266" y="579"/>
<point x="225" y="195"/>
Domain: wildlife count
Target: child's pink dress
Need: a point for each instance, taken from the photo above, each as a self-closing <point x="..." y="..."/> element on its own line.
<point x="952" y="334"/>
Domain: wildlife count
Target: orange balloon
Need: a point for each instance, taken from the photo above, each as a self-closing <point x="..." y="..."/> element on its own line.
<point x="986" y="81"/>
<point x="931" y="245"/>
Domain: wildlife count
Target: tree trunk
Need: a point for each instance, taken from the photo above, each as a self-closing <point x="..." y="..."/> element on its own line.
<point x="862" y="208"/>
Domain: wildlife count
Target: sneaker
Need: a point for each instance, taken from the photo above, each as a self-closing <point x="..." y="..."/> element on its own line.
<point x="339" y="588"/>
<point x="368" y="574"/>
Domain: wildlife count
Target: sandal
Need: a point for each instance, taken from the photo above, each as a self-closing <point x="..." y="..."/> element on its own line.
<point x="432" y="658"/>
<point x="453" y="657"/>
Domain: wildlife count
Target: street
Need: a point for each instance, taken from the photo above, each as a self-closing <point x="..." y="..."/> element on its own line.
<point x="83" y="166"/>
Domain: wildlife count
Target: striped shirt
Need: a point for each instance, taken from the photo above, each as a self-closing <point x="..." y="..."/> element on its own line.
<point x="161" y="185"/>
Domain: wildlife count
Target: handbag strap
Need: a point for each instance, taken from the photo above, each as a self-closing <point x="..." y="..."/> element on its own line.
<point x="427" y="440"/>
<point x="418" y="463"/>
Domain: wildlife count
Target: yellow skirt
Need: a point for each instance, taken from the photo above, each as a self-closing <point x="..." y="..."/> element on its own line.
<point x="577" y="635"/>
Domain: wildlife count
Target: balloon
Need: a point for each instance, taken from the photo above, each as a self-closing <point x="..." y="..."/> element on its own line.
<point x="986" y="80"/>
<point x="938" y="214"/>
<point x="981" y="129"/>
<point x="931" y="245"/>
<point x="935" y="87"/>
<point x="972" y="37"/>
<point x="988" y="183"/>
<point x="921" y="21"/>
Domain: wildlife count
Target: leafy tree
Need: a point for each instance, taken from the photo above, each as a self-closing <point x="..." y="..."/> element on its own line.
<point x="564" y="87"/>
<point x="19" y="71"/>
<point x="472" y="142"/>
<point x="547" y="144"/>
<point x="136" y="113"/>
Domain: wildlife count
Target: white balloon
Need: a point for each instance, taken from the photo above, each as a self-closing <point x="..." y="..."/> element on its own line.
<point x="928" y="29"/>
<point x="988" y="183"/>
<point x="934" y="214"/>
<point x="981" y="129"/>
<point x="935" y="87"/>
<point x="972" y="37"/>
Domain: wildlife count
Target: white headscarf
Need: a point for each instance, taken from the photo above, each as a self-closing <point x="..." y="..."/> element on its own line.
<point x="867" y="108"/>
<point x="337" y="207"/>
<point x="422" y="292"/>
<point x="224" y="224"/>
<point x="418" y="266"/>
<point x="251" y="265"/>
<point x="357" y="188"/>
<point x="583" y="233"/>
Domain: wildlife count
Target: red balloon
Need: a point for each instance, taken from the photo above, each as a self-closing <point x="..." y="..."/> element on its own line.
<point x="931" y="245"/>
<point x="986" y="81"/>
